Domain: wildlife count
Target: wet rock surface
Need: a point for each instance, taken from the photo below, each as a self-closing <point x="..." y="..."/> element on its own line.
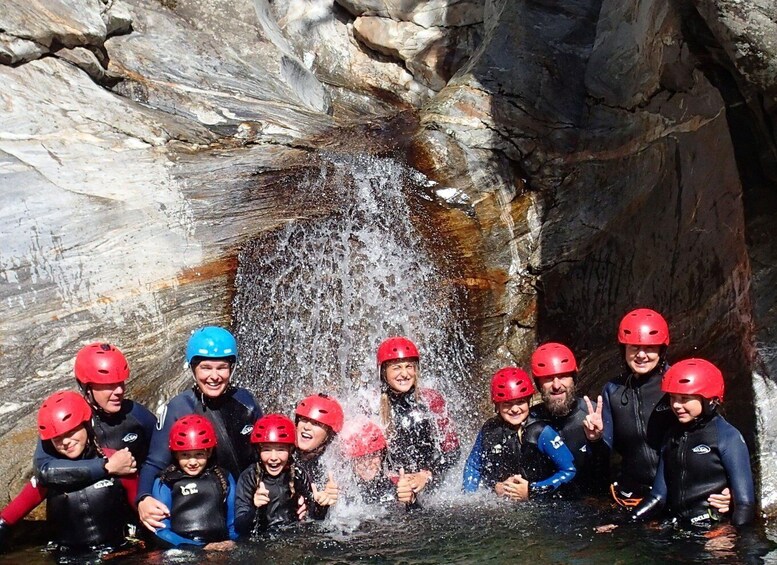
<point x="594" y="157"/>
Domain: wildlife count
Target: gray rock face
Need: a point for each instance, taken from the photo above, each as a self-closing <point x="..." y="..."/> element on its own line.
<point x="591" y="157"/>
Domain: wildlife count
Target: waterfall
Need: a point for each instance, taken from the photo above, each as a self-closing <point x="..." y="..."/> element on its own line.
<point x="316" y="297"/>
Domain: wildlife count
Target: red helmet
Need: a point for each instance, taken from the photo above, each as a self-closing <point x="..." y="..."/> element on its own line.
<point x="511" y="383"/>
<point x="62" y="412"/>
<point x="694" y="376"/>
<point x="100" y="363"/>
<point x="274" y="428"/>
<point x="192" y="432"/>
<point x="361" y="438"/>
<point x="552" y="359"/>
<point x="396" y="348"/>
<point x="643" y="326"/>
<point x="323" y="409"/>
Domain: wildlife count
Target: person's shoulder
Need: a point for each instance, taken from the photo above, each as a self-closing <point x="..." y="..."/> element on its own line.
<point x="727" y="430"/>
<point x="245" y="397"/>
<point x="139" y="411"/>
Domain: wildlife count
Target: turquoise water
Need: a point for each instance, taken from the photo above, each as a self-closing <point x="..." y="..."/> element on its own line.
<point x="479" y="530"/>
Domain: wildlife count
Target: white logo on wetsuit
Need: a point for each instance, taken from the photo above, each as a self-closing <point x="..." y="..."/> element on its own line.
<point x="662" y="407"/>
<point x="160" y="417"/>
<point x="584" y="449"/>
<point x="191" y="488"/>
<point x="103" y="484"/>
<point x="129" y="438"/>
<point x="497" y="449"/>
<point x="557" y="442"/>
<point x="702" y="449"/>
<point x="246" y="430"/>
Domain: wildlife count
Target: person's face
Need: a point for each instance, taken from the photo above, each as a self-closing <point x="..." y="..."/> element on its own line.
<point x="558" y="392"/>
<point x="686" y="407"/>
<point x="400" y="375"/>
<point x="193" y="462"/>
<point x="73" y="443"/>
<point x="212" y="376"/>
<point x="275" y="457"/>
<point x="367" y="467"/>
<point x="514" y="412"/>
<point x="642" y="359"/>
<point x="310" y="435"/>
<point x="109" y="396"/>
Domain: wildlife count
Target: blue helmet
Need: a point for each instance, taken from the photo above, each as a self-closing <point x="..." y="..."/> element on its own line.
<point x="211" y="342"/>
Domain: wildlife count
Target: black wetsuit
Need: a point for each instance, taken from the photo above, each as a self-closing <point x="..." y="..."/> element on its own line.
<point x="538" y="455"/>
<point x="310" y="470"/>
<point x="636" y="416"/>
<point x="84" y="513"/>
<point x="416" y="441"/>
<point x="281" y="511"/>
<point x="697" y="460"/>
<point x="131" y="427"/>
<point x="232" y="414"/>
<point x="592" y="458"/>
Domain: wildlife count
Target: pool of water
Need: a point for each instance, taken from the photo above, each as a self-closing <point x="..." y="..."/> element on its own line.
<point x="473" y="530"/>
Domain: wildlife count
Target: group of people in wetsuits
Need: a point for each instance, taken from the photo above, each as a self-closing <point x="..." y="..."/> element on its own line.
<point x="213" y="468"/>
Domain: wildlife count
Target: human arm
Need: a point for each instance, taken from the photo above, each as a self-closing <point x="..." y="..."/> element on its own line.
<point x="735" y="458"/>
<point x="593" y="423"/>
<point x="31" y="495"/>
<point x="653" y="504"/>
<point x="473" y="467"/>
<point x="245" y="509"/>
<point x="551" y="444"/>
<point x="607" y="422"/>
<point x="231" y="492"/>
<point x="62" y="472"/>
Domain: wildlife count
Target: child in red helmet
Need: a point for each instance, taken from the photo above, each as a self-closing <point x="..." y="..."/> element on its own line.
<point x="364" y="446"/>
<point x="199" y="493"/>
<point x="702" y="454"/>
<point x="514" y="454"/>
<point x="87" y="516"/>
<point x="422" y="439"/>
<point x="271" y="494"/>
<point x="319" y="418"/>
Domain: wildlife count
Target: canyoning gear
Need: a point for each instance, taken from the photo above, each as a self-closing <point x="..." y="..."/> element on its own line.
<point x="323" y="409"/>
<point x="62" y="412"/>
<point x="694" y="376"/>
<point x="100" y="363"/>
<point x="211" y="342"/>
<point x="284" y="492"/>
<point x="421" y="435"/>
<point x="232" y="414"/>
<point x="636" y="416"/>
<point x="191" y="433"/>
<point x="511" y="383"/>
<point x="553" y="359"/>
<point x="273" y="428"/>
<point x="202" y="508"/>
<point x="396" y="348"/>
<point x="643" y="326"/>
<point x="363" y="438"/>
<point x="697" y="460"/>
<point x="538" y="454"/>
<point x="592" y="458"/>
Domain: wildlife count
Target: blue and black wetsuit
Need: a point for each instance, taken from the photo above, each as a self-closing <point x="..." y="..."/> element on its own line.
<point x="592" y="458"/>
<point x="131" y="427"/>
<point x="232" y="414"/>
<point x="697" y="460"/>
<point x="636" y="416"/>
<point x="538" y="454"/>
<point x="202" y="508"/>
<point x="285" y="490"/>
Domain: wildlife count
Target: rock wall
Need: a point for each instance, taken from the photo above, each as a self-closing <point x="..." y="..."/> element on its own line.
<point x="596" y="156"/>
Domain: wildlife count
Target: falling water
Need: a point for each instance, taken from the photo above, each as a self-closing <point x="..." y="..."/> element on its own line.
<point x="315" y="298"/>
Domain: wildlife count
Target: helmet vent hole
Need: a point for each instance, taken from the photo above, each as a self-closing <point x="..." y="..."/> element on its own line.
<point x="102" y="371"/>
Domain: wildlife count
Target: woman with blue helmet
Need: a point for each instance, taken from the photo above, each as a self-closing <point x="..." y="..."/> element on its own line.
<point x="211" y="354"/>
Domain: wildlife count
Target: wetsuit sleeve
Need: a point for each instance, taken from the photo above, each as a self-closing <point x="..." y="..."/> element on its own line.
<point x="607" y="436"/>
<point x="473" y="467"/>
<point x="551" y="444"/>
<point x="736" y="461"/>
<point x="159" y="456"/>
<point x="231" y="508"/>
<point x="653" y="504"/>
<point x="245" y="511"/>
<point x="162" y="493"/>
<point x="31" y="495"/>
<point x="52" y="470"/>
